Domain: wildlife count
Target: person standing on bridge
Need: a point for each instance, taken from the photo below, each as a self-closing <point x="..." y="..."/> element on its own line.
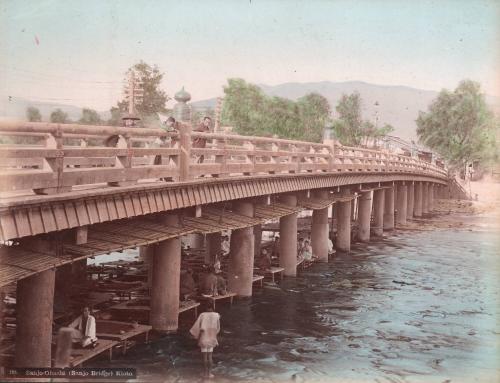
<point x="201" y="142"/>
<point x="205" y="329"/>
<point x="164" y="141"/>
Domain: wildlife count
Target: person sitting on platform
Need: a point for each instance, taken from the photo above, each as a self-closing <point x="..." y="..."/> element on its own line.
<point x="221" y="283"/>
<point x="217" y="262"/>
<point x="331" y="251"/>
<point x="188" y="286"/>
<point x="225" y="245"/>
<point x="300" y="249"/>
<point x="208" y="283"/>
<point x="84" y="329"/>
<point x="276" y="248"/>
<point x="264" y="260"/>
<point x="307" y="252"/>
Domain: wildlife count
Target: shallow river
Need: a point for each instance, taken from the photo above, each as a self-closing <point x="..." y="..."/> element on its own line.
<point x="413" y="307"/>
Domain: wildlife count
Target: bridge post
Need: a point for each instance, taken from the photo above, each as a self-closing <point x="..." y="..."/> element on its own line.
<point x="214" y="241"/>
<point x="410" y="199"/>
<point x="343" y="242"/>
<point x="319" y="229"/>
<point x="241" y="254"/>
<point x="35" y="299"/>
<point x="166" y="265"/>
<point x="425" y="197"/>
<point x="62" y="287"/>
<point x="389" y="209"/>
<point x="257" y="235"/>
<point x="55" y="164"/>
<point x="185" y="151"/>
<point x="378" y="211"/>
<point x="364" y="215"/>
<point x="431" y="197"/>
<point x="146" y="255"/>
<point x="257" y="229"/>
<point x="418" y="200"/>
<point x="402" y="204"/>
<point x="288" y="238"/>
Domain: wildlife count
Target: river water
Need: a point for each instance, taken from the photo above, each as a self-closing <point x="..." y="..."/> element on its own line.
<point x="416" y="306"/>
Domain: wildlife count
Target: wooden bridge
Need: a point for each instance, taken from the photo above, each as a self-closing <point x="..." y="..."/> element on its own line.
<point x="69" y="192"/>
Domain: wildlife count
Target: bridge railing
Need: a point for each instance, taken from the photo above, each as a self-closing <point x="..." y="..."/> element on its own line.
<point x="51" y="158"/>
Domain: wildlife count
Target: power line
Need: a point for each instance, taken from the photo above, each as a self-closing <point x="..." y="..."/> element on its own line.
<point x="53" y="76"/>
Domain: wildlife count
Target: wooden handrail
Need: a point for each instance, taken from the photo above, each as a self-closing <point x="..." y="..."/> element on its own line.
<point x="74" y="154"/>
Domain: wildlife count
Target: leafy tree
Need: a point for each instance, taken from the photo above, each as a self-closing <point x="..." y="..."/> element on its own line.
<point x="153" y="100"/>
<point x="116" y="115"/>
<point x="350" y="128"/>
<point x="58" y="116"/>
<point x="314" y="110"/>
<point x="251" y="112"/>
<point x="243" y="106"/>
<point x="33" y="114"/>
<point x="459" y="125"/>
<point x="90" y="117"/>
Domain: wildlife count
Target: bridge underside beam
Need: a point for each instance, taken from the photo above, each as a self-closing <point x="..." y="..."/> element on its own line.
<point x="32" y="215"/>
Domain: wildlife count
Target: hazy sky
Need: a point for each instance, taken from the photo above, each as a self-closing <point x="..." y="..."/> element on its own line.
<point x="76" y="52"/>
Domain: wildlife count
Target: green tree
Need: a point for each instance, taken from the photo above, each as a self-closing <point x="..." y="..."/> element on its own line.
<point x="251" y="112"/>
<point x="58" y="116"/>
<point x="350" y="128"/>
<point x="153" y="99"/>
<point x="243" y="107"/>
<point x="459" y="125"/>
<point x="116" y="115"/>
<point x="314" y="110"/>
<point x="33" y="114"/>
<point x="349" y="125"/>
<point x="90" y="117"/>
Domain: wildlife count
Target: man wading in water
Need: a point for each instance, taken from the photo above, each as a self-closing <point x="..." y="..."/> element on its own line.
<point x="205" y="329"/>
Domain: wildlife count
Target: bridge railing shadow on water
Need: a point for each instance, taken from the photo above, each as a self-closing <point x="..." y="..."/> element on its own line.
<point x="48" y="158"/>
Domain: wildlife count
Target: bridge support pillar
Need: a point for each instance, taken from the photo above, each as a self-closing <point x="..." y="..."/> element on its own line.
<point x="402" y="204"/>
<point x="343" y="242"/>
<point x="319" y="229"/>
<point x="364" y="216"/>
<point x="79" y="271"/>
<point x="146" y="255"/>
<point x="431" y="197"/>
<point x="241" y="255"/>
<point x="410" y="200"/>
<point x="35" y="299"/>
<point x="62" y="290"/>
<point x="417" y="212"/>
<point x="425" y="197"/>
<point x="288" y="238"/>
<point x="389" y="209"/>
<point x="378" y="211"/>
<point x="214" y="241"/>
<point x="166" y="272"/>
<point x="257" y="235"/>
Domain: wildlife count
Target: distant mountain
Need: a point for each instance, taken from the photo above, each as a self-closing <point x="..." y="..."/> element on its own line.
<point x="397" y="105"/>
<point x="15" y="108"/>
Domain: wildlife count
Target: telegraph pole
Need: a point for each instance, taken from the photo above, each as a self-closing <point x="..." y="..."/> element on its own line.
<point x="218" y="110"/>
<point x="134" y="94"/>
<point x="131" y="93"/>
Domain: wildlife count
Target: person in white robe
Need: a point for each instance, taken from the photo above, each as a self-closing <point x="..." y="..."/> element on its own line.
<point x="205" y="329"/>
<point x="84" y="329"/>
